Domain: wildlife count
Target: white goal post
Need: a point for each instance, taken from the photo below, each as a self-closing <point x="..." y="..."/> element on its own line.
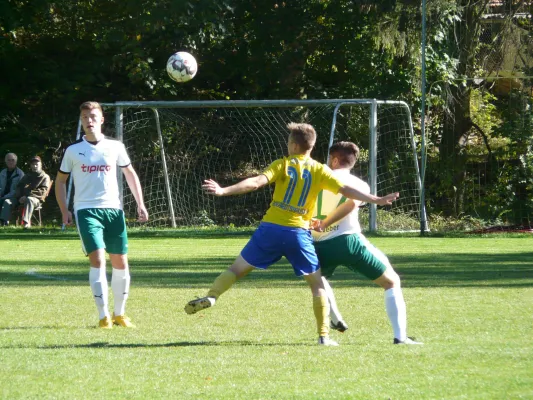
<point x="175" y="145"/>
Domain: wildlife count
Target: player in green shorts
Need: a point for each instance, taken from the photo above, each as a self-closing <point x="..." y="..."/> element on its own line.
<point x="92" y="163"/>
<point x="339" y="241"/>
<point x="284" y="230"/>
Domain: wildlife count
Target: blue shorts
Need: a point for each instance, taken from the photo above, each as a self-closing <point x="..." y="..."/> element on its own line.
<point x="270" y="242"/>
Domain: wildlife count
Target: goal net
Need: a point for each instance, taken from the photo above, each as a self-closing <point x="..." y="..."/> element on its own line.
<point x="174" y="146"/>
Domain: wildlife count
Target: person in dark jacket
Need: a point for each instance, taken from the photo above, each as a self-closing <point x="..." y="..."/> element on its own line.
<point x="9" y="179"/>
<point x="32" y="189"/>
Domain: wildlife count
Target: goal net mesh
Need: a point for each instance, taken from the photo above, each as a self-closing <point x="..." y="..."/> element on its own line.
<point x="228" y="144"/>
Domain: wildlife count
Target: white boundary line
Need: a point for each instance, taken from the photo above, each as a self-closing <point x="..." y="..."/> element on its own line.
<point x="33" y="273"/>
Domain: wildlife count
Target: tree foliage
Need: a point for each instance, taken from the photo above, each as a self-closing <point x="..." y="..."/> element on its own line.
<point x="57" y="54"/>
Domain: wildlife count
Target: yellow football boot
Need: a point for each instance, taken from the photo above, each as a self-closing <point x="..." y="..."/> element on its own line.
<point x="105" y="323"/>
<point x="123" y="320"/>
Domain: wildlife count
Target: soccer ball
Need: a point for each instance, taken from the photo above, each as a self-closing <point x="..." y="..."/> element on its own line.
<point x="181" y="66"/>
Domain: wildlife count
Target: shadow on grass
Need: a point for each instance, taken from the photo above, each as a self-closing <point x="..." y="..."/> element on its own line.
<point x="72" y="234"/>
<point x="465" y="270"/>
<point x="427" y="270"/>
<point x="51" y="233"/>
<point x="191" y="273"/>
<point x="29" y="328"/>
<point x="106" y="345"/>
<point x="36" y="236"/>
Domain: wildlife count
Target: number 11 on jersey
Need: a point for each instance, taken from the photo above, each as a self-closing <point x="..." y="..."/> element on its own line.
<point x="293" y="180"/>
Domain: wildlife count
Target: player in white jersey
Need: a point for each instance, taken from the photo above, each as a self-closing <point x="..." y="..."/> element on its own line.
<point x="92" y="164"/>
<point x="339" y="241"/>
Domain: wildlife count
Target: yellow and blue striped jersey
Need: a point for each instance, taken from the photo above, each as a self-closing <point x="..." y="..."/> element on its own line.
<point x="298" y="181"/>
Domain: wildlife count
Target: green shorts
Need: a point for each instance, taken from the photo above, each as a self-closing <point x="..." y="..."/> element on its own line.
<point x="353" y="251"/>
<point x="102" y="228"/>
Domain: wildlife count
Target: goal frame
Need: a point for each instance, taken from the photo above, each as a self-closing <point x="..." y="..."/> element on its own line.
<point x="373" y="104"/>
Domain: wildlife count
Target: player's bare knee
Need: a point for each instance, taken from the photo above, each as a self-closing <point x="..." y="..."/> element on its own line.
<point x="394" y="278"/>
<point x="317" y="291"/>
<point x="390" y="279"/>
<point x="240" y="267"/>
<point x="97" y="258"/>
<point x="316" y="284"/>
<point x="119" y="261"/>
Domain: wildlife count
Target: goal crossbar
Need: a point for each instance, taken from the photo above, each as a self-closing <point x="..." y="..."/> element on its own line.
<point x="246" y="103"/>
<point x="377" y="128"/>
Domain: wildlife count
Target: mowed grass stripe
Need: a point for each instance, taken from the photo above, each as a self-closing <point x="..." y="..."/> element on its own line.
<point x="469" y="299"/>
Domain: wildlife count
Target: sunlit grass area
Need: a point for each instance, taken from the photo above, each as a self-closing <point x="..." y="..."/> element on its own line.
<point x="469" y="300"/>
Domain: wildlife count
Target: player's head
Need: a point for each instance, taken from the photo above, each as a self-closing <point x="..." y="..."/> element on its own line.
<point x="343" y="155"/>
<point x="302" y="138"/>
<point x="11" y="161"/>
<point x="92" y="117"/>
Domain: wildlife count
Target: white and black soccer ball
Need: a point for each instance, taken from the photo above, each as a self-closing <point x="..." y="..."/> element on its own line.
<point x="181" y="66"/>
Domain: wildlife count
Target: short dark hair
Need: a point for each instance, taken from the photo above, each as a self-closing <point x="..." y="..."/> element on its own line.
<point x="90" y="105"/>
<point x="346" y="152"/>
<point x="304" y="135"/>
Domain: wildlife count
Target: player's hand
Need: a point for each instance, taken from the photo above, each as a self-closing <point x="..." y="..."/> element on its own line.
<point x="388" y="199"/>
<point x="211" y="187"/>
<point x="22" y="199"/>
<point x="142" y="214"/>
<point x="67" y="218"/>
<point x="316" y="225"/>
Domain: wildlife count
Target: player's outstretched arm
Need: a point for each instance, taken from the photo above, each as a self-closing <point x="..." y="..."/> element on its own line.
<point x="336" y="215"/>
<point x="353" y="193"/>
<point x="244" y="186"/>
<point x="61" y="197"/>
<point x="135" y="187"/>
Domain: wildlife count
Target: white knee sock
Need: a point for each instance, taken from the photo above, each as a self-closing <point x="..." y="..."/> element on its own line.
<point x="395" y="306"/>
<point x="98" y="282"/>
<point x="334" y="312"/>
<point x="120" y="284"/>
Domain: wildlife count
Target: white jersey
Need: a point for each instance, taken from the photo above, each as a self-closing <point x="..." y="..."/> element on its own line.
<point x="93" y="170"/>
<point x="327" y="202"/>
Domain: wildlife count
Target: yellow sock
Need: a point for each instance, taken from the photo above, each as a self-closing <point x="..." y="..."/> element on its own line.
<point x="321" y="309"/>
<point x="222" y="283"/>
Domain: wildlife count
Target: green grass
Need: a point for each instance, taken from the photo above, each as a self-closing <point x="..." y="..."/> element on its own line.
<point x="469" y="299"/>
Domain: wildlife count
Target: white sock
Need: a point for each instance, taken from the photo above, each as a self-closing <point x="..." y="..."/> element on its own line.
<point x="120" y="284"/>
<point x="99" y="287"/>
<point x="395" y="306"/>
<point x="334" y="312"/>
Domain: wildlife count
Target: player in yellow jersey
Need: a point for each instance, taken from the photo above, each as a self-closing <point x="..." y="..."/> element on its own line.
<point x="284" y="230"/>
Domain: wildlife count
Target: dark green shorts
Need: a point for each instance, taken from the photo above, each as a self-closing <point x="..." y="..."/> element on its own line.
<point x="353" y="251"/>
<point x="102" y="228"/>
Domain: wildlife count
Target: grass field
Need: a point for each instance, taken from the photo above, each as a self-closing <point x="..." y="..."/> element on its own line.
<point x="469" y="299"/>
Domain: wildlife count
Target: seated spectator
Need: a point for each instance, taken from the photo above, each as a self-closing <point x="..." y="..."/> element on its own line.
<point x="9" y="179"/>
<point x="32" y="189"/>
